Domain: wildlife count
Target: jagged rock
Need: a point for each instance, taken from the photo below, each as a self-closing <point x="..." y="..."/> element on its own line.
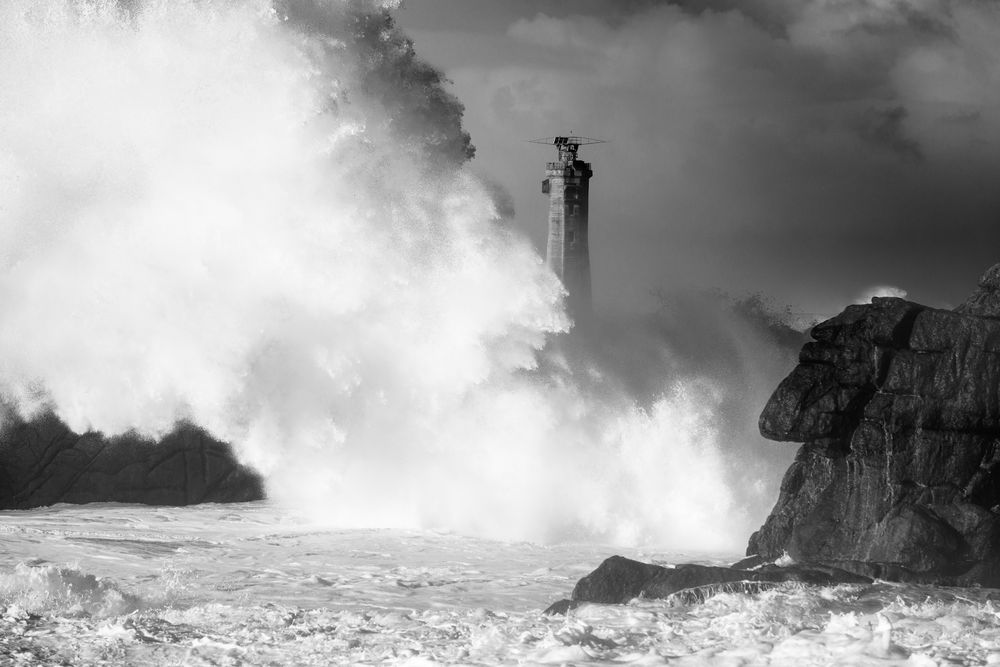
<point x="42" y="462"/>
<point x="618" y="580"/>
<point x="899" y="409"/>
<point x="985" y="301"/>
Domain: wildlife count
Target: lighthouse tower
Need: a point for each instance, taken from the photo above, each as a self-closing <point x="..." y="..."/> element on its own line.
<point x="567" y="184"/>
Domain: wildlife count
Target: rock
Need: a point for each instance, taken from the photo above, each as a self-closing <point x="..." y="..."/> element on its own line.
<point x="42" y="462"/>
<point x="748" y="563"/>
<point x="898" y="407"/>
<point x="985" y="301"/>
<point x="618" y="580"/>
<point x="561" y="608"/>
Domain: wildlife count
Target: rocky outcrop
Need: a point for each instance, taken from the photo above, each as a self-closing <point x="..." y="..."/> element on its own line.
<point x="899" y="409"/>
<point x="618" y="580"/>
<point x="42" y="462"/>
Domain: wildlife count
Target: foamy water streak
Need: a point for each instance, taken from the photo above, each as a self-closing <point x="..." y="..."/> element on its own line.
<point x="209" y="211"/>
<point x="249" y="584"/>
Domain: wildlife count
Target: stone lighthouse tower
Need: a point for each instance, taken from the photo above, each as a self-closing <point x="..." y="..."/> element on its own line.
<point x="567" y="184"/>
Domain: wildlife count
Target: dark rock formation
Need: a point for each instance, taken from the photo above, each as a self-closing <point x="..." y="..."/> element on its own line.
<point x="618" y="580"/>
<point x="42" y="462"/>
<point x="899" y="409"/>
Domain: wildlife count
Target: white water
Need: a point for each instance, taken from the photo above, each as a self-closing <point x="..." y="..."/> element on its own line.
<point x="240" y="214"/>
<point x="209" y="212"/>
<point x="250" y="584"/>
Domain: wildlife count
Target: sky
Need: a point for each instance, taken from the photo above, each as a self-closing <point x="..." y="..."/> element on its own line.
<point x="815" y="151"/>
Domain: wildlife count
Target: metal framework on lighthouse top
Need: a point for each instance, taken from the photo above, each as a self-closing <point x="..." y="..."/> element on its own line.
<point x="567" y="145"/>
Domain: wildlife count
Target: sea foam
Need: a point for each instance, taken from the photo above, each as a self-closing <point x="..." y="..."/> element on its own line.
<point x="253" y="217"/>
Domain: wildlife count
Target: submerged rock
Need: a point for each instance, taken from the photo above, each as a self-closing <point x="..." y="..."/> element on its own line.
<point x="898" y="407"/>
<point x="42" y="462"/>
<point x="618" y="580"/>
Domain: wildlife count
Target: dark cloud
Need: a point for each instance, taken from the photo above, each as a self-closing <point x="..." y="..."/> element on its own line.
<point x="806" y="149"/>
<point x="772" y="16"/>
<point x="884" y="128"/>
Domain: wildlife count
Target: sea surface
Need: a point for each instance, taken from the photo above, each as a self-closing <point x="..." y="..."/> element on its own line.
<point x="251" y="584"/>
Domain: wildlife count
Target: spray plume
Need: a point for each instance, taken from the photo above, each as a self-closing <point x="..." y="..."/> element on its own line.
<point x="253" y="216"/>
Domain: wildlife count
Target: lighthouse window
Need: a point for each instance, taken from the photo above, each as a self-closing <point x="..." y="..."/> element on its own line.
<point x="571" y="236"/>
<point x="576" y="210"/>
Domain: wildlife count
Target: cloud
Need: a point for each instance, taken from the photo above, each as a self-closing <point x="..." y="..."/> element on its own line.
<point x="884" y="128"/>
<point x="804" y="149"/>
<point x="582" y="34"/>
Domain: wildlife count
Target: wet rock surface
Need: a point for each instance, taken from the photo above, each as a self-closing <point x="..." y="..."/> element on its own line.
<point x="42" y="463"/>
<point x="618" y="580"/>
<point x="898" y="407"/>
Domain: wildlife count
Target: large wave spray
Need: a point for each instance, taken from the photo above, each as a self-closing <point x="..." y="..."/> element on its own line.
<point x="250" y="216"/>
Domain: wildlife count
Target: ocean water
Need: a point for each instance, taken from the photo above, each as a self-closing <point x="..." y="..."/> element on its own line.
<point x="250" y="215"/>
<point x="252" y="584"/>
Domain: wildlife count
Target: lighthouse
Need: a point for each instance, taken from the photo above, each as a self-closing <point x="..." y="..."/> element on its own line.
<point x="567" y="251"/>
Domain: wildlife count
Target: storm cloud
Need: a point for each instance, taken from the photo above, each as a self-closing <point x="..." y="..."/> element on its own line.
<point x="809" y="150"/>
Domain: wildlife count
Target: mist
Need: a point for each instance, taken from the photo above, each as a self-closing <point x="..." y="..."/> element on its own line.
<point x="259" y="218"/>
